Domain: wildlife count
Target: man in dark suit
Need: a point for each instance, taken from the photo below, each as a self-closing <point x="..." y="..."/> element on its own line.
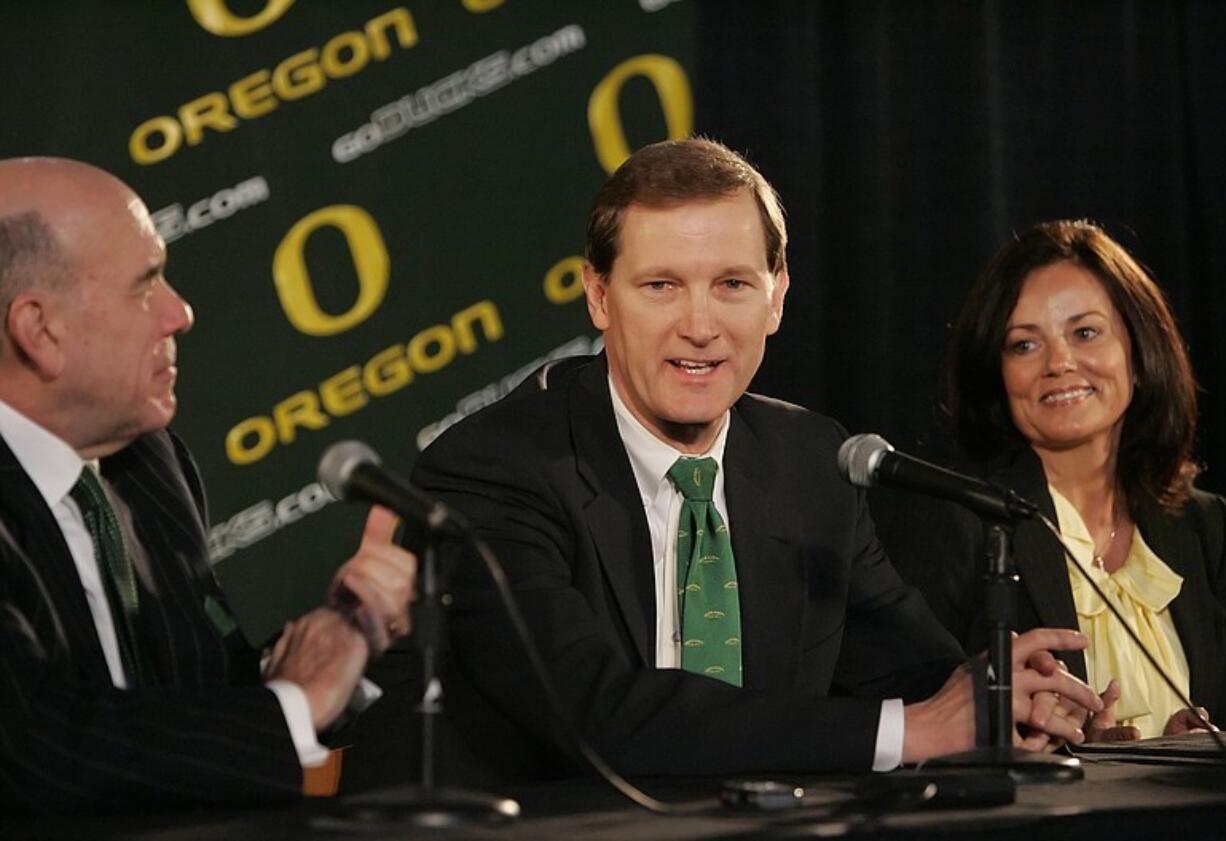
<point x="609" y="487"/>
<point x="124" y="679"/>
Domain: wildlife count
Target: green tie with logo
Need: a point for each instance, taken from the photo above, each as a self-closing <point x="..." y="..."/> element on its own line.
<point x="118" y="577"/>
<point x="708" y="601"/>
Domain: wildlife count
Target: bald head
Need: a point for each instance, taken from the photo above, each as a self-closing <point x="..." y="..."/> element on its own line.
<point x="56" y="187"/>
<point x="87" y="348"/>
<point x="47" y="207"/>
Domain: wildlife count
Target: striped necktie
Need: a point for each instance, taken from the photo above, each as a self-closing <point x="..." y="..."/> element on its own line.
<point x="118" y="576"/>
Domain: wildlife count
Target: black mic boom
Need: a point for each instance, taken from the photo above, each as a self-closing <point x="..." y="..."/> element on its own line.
<point x="352" y="471"/>
<point x="867" y="460"/>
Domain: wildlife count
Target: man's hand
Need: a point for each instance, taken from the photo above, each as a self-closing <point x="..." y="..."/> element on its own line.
<point x="325" y="654"/>
<point x="1048" y="700"/>
<point x="376" y="585"/>
<point x="1050" y="705"/>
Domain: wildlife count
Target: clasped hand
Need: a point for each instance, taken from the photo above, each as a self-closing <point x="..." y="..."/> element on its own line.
<point x="375" y="586"/>
<point x="325" y="652"/>
<point x="1050" y="705"/>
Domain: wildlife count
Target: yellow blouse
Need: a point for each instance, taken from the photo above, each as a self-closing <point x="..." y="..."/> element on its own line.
<point x="1142" y="589"/>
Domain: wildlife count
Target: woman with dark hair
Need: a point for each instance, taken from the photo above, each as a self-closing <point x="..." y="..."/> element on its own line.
<point x="1067" y="381"/>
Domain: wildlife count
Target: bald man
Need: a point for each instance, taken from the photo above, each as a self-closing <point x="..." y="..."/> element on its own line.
<point x="124" y="679"/>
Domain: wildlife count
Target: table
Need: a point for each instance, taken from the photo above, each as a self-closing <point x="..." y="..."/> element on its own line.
<point x="1116" y="800"/>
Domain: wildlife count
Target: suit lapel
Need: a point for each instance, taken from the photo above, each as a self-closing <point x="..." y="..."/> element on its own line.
<point x="757" y="521"/>
<point x="177" y="632"/>
<point x="34" y="527"/>
<point x="770" y="600"/>
<point x="1178" y="546"/>
<point x="614" y="513"/>
<point x="1039" y="558"/>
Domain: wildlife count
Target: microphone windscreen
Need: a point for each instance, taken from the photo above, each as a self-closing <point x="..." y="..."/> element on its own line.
<point x="859" y="456"/>
<point x="339" y="461"/>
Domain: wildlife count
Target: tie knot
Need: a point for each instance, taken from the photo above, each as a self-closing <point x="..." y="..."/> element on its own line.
<point x="87" y="492"/>
<point x="694" y="477"/>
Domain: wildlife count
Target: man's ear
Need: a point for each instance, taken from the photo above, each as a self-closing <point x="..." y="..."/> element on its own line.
<point x="36" y="333"/>
<point x="596" y="288"/>
<point x="778" y="293"/>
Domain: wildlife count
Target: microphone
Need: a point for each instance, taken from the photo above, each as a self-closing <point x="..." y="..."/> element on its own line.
<point x="352" y="471"/>
<point x="868" y="459"/>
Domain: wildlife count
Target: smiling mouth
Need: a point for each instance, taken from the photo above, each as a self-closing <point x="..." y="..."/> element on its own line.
<point x="1067" y="396"/>
<point x="694" y="367"/>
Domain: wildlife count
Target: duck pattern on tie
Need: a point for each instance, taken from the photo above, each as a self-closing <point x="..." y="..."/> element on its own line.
<point x="708" y="600"/>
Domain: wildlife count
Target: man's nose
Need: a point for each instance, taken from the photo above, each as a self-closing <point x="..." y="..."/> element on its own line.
<point x="697" y="322"/>
<point x="178" y="314"/>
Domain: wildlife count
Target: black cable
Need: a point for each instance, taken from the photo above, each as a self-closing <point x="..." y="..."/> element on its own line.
<point x="1115" y="611"/>
<point x="537" y="662"/>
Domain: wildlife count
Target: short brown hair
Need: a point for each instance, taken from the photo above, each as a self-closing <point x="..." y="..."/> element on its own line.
<point x="676" y="171"/>
<point x="1155" y="456"/>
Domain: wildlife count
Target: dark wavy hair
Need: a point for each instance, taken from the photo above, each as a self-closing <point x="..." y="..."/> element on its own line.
<point x="676" y="171"/>
<point x="1155" y="451"/>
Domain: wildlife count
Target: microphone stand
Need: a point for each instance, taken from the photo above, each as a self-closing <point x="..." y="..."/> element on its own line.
<point x="426" y="804"/>
<point x="1000" y="607"/>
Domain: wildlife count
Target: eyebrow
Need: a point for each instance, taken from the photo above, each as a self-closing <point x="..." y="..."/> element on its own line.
<point x="662" y="271"/>
<point x="1072" y="319"/>
<point x="149" y="274"/>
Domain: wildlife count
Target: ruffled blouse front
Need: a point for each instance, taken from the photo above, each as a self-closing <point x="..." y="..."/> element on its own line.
<point x="1143" y="589"/>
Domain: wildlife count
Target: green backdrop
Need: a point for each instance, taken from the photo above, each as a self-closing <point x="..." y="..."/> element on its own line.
<point x="375" y="208"/>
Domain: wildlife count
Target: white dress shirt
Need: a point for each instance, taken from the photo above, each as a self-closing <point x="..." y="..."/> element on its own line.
<point x="54" y="467"/>
<point x="650" y="459"/>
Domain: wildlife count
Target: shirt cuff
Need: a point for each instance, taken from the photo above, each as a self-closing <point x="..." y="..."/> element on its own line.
<point x="890" y="732"/>
<point x="297" y="714"/>
<point x="364" y="694"/>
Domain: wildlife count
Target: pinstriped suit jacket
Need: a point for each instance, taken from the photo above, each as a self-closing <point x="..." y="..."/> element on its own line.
<point x="71" y="741"/>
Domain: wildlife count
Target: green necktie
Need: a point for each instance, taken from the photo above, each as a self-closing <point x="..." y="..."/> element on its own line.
<point x="708" y="601"/>
<point x="118" y="577"/>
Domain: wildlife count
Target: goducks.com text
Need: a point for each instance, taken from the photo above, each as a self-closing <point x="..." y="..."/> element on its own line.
<point x="456" y="90"/>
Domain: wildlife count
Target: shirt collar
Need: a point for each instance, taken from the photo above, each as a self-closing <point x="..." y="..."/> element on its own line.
<point x="47" y="459"/>
<point x="651" y="458"/>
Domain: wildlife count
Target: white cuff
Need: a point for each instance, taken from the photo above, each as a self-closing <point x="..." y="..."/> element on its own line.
<point x="364" y="694"/>
<point x="890" y="732"/>
<point x="297" y="714"/>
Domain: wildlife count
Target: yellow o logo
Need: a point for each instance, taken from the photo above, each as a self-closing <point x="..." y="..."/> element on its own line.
<point x="143" y="151"/>
<point x="250" y="440"/>
<point x="479" y="6"/>
<point x="604" y="114"/>
<point x="216" y="17"/>
<point x="293" y="281"/>
<point x="564" y="281"/>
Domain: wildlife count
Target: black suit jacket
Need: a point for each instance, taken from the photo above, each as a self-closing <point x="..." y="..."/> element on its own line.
<point x="939" y="547"/>
<point x="828" y="627"/>
<point x="69" y="740"/>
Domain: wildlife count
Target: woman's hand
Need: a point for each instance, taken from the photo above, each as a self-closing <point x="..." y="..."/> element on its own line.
<point x="1185" y="721"/>
<point x="1102" y="727"/>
